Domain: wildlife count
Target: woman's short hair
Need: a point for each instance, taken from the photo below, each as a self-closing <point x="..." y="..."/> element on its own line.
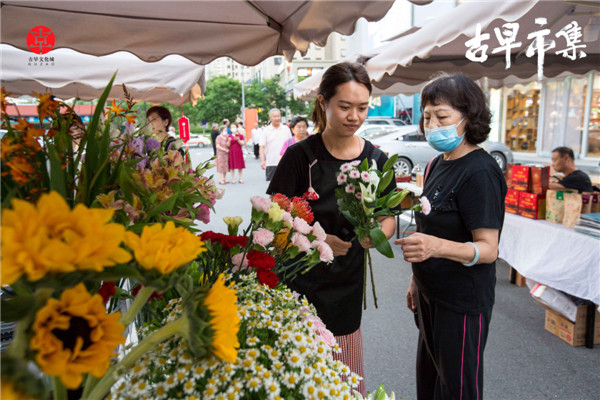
<point x="463" y="94"/>
<point x="162" y="112"/>
<point x="296" y="120"/>
<point x="336" y="75"/>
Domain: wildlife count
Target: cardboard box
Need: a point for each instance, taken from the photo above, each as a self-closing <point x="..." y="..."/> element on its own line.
<point x="532" y="205"/>
<point x="511" y="201"/>
<point x="508" y="175"/>
<point x="521" y="178"/>
<point x="554" y="300"/>
<point x="572" y="332"/>
<point x="540" y="179"/>
<point x="515" y="277"/>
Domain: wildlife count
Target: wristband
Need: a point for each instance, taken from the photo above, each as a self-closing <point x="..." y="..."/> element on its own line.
<point x="476" y="258"/>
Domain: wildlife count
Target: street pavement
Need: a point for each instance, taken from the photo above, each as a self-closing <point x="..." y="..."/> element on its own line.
<point x="522" y="360"/>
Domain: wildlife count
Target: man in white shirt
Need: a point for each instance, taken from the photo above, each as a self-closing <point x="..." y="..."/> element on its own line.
<point x="271" y="141"/>
<point x="256" y="134"/>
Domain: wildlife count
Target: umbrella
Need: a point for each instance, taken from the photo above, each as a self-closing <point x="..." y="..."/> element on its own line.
<point x="406" y="63"/>
<point x="247" y="31"/>
<point x="174" y="79"/>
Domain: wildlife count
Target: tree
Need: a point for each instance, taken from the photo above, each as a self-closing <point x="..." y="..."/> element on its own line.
<point x="223" y="99"/>
<point x="266" y="94"/>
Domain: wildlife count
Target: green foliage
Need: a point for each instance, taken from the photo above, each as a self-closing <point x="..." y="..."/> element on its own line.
<point x="223" y="99"/>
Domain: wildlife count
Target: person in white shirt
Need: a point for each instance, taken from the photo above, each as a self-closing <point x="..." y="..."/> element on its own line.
<point x="272" y="139"/>
<point x="256" y="134"/>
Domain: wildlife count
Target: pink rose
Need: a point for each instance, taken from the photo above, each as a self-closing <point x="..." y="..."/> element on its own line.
<point x="350" y="188"/>
<point x="354" y="174"/>
<point x="425" y="205"/>
<point x="238" y="262"/>
<point x="319" y="232"/>
<point x="301" y="242"/>
<point x="341" y="179"/>
<point x="260" y="203"/>
<point x="300" y="225"/>
<point x="263" y="237"/>
<point x="325" y="252"/>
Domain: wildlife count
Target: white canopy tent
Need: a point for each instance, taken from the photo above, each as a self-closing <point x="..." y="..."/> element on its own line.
<point x="405" y="64"/>
<point x="173" y="79"/>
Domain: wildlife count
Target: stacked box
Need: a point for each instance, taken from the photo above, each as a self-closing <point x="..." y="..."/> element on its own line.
<point x="508" y="175"/>
<point x="572" y="332"/>
<point x="521" y="178"/>
<point x="532" y="205"/>
<point x="511" y="202"/>
<point x="540" y="179"/>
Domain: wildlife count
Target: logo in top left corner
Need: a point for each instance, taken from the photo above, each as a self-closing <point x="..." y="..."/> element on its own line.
<point x="40" y="39"/>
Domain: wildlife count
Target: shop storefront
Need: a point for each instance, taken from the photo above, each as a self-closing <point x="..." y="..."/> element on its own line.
<point x="539" y="117"/>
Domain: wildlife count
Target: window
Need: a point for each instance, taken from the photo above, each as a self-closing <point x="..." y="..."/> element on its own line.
<point x="593" y="139"/>
<point x="522" y="107"/>
<point x="277" y="61"/>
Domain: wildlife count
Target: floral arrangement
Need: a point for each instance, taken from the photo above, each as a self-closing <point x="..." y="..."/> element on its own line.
<point x="379" y="394"/>
<point x="285" y="353"/>
<point x="361" y="200"/>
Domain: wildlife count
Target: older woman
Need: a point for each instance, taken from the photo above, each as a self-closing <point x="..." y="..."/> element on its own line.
<point x="222" y="144"/>
<point x="299" y="127"/>
<point x="453" y="254"/>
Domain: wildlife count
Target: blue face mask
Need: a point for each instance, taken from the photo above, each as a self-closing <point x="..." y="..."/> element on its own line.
<point x="444" y="138"/>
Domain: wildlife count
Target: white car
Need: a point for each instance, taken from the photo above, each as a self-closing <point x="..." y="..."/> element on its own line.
<point x="198" y="140"/>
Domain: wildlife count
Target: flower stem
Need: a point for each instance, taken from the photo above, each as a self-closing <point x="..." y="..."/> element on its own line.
<point x="365" y="279"/>
<point x="372" y="280"/>
<point x="60" y="392"/>
<point x="19" y="345"/>
<point x="109" y="378"/>
<point x="139" y="302"/>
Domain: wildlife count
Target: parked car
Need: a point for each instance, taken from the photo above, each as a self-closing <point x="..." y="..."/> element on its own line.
<point x="384" y="121"/>
<point x="412" y="150"/>
<point x="371" y="132"/>
<point x="198" y="140"/>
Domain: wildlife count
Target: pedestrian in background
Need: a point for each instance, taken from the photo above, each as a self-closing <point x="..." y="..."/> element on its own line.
<point x="236" y="155"/>
<point x="222" y="144"/>
<point x="454" y="251"/>
<point x="272" y="140"/>
<point x="213" y="137"/>
<point x="256" y="132"/>
<point x="299" y="127"/>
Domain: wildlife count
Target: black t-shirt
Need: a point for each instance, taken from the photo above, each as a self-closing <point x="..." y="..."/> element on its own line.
<point x="335" y="289"/>
<point x="465" y="194"/>
<point x="577" y="180"/>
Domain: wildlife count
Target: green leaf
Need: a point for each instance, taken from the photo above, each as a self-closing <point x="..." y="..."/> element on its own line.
<point x="389" y="164"/>
<point x="381" y="242"/>
<point x="58" y="180"/>
<point x="165" y="206"/>
<point x="17" y="308"/>
<point x="364" y="166"/>
<point x="385" y="181"/>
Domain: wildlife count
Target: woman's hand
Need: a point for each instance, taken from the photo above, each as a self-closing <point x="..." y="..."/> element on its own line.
<point x="411" y="295"/>
<point x="339" y="247"/>
<point x="367" y="243"/>
<point x="418" y="247"/>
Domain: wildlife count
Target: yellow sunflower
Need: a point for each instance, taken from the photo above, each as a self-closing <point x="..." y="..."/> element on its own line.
<point x="50" y="237"/>
<point x="164" y="248"/>
<point x="8" y="391"/>
<point x="221" y="303"/>
<point x="73" y="335"/>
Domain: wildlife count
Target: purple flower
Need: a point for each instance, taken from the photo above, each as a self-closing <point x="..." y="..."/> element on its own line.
<point x="137" y="144"/>
<point x="152" y="144"/>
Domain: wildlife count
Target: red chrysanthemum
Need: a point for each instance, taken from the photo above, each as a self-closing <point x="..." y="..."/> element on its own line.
<point x="107" y="290"/>
<point x="228" y="242"/>
<point x="300" y="208"/>
<point x="153" y="296"/>
<point x="267" y="277"/>
<point x="283" y="201"/>
<point x="260" y="260"/>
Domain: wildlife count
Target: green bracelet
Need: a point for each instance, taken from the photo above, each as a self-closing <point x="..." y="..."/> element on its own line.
<point x="476" y="258"/>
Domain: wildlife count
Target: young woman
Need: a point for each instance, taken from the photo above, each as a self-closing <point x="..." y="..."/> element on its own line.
<point x="336" y="290"/>
<point x="453" y="254"/>
<point x="236" y="155"/>
<point x="160" y="119"/>
<point x="299" y="127"/>
<point x="222" y="144"/>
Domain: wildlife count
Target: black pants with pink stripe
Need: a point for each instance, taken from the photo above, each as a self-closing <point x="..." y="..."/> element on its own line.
<point x="450" y="352"/>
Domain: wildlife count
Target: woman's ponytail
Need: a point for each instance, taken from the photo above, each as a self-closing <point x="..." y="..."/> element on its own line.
<point x="318" y="117"/>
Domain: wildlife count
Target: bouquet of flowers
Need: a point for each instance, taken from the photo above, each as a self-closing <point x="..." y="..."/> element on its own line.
<point x="379" y="394"/>
<point x="362" y="201"/>
<point x="285" y="352"/>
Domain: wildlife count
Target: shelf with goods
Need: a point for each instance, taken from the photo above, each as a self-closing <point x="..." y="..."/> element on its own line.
<point x="594" y="126"/>
<point x="521" y="120"/>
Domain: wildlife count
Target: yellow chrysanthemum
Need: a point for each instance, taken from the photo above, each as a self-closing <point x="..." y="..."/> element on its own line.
<point x="73" y="335"/>
<point x="50" y="237"/>
<point x="8" y="391"/>
<point x="164" y="248"/>
<point x="221" y="303"/>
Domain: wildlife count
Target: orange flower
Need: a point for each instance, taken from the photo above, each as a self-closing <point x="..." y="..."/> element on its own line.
<point x="281" y="240"/>
<point x="283" y="201"/>
<point x="19" y="167"/>
<point x="3" y="96"/>
<point x="7" y="148"/>
<point x="47" y="105"/>
<point x="300" y="208"/>
<point x="130" y="119"/>
<point x="114" y="109"/>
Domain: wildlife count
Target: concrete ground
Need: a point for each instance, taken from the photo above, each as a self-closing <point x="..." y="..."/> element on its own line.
<point x="522" y="360"/>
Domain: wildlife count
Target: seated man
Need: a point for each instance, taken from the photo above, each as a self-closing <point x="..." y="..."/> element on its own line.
<point x="563" y="161"/>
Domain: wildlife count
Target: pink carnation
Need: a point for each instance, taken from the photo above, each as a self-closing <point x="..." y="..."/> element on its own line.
<point x="238" y="263"/>
<point x="319" y="232"/>
<point x="354" y="174"/>
<point x="263" y="237"/>
<point x="358" y="195"/>
<point x="300" y="225"/>
<point x="260" y="203"/>
<point x="346" y="167"/>
<point x="301" y="242"/>
<point x="325" y="252"/>
<point x="287" y="217"/>
<point x="350" y="188"/>
<point x="355" y="163"/>
<point x="327" y="337"/>
<point x="365" y="176"/>
<point x="341" y="179"/>
<point x="425" y="205"/>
